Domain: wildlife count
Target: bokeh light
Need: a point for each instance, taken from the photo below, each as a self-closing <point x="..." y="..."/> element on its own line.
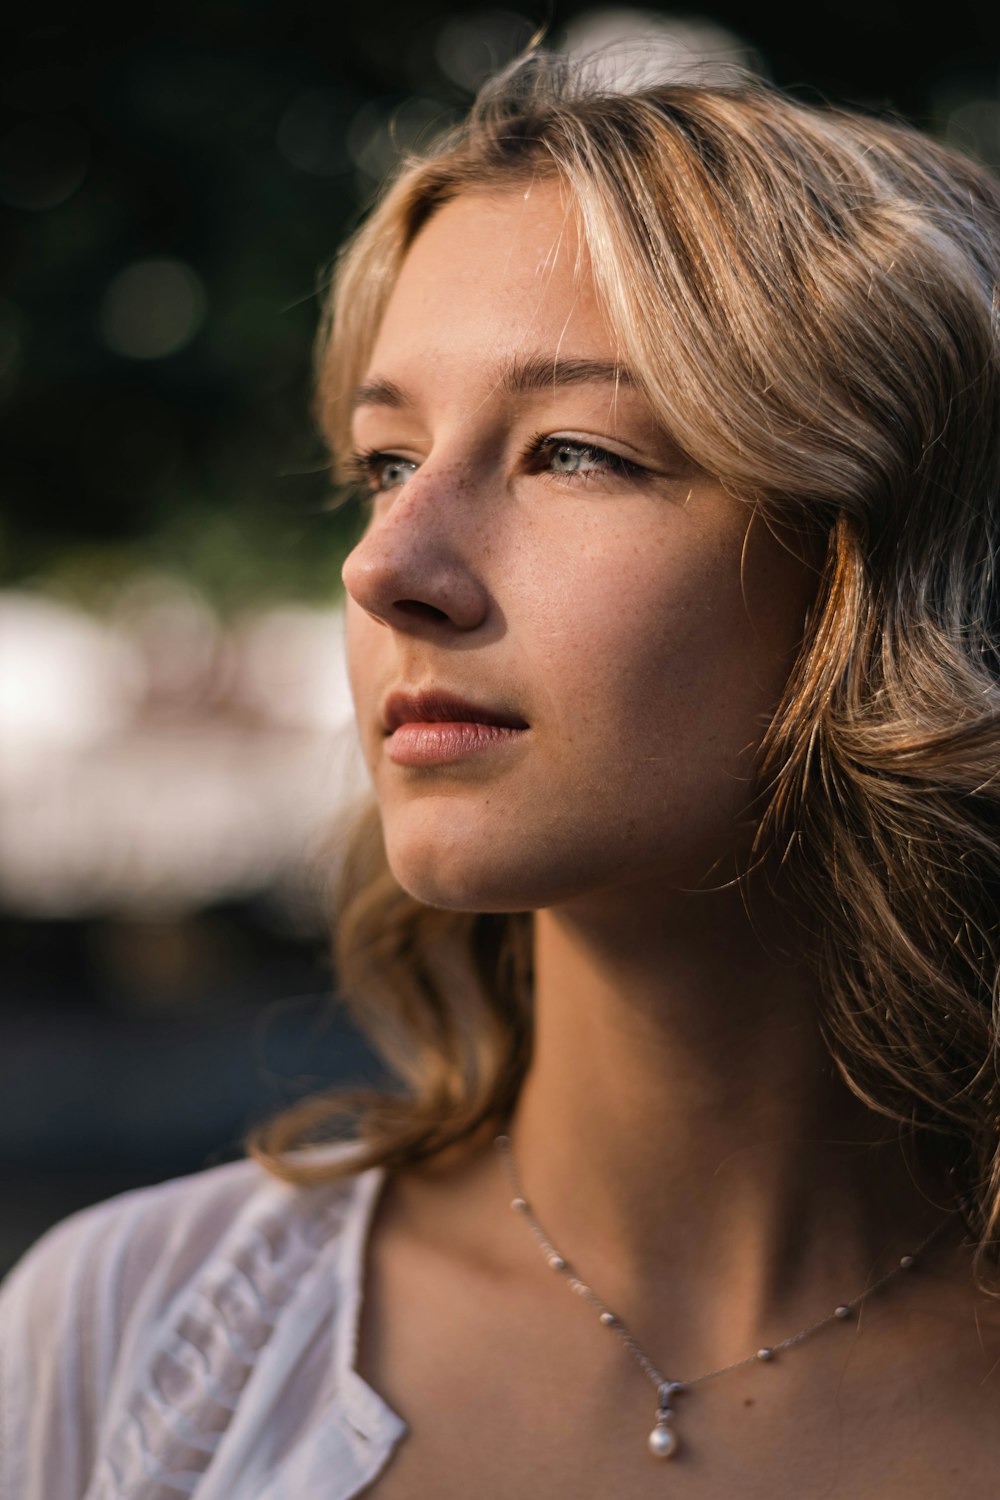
<point x="470" y="48"/>
<point x="161" y="761"/>
<point x="383" y="131"/>
<point x="151" y="309"/>
<point x="68" y="682"/>
<point x="42" y="162"/>
<point x="974" y="125"/>
<point x="312" y="132"/>
<point x="633" y="47"/>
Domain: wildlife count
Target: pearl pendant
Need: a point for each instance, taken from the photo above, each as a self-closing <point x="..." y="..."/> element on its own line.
<point x="662" y="1441"/>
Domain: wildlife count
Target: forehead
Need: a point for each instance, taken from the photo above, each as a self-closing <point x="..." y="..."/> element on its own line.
<point x="488" y="276"/>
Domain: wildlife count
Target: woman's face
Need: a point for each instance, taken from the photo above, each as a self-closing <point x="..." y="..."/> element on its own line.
<point x="565" y="641"/>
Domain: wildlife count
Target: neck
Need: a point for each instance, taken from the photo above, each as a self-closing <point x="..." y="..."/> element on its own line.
<point x="681" y="1111"/>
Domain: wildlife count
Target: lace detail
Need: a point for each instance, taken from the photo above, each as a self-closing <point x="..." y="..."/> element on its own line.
<point x="186" y="1395"/>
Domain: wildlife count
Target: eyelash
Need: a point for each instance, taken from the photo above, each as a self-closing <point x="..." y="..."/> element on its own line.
<point x="613" y="462"/>
<point x="366" y="463"/>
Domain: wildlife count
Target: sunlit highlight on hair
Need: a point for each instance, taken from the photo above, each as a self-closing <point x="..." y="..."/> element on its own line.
<point x="809" y="300"/>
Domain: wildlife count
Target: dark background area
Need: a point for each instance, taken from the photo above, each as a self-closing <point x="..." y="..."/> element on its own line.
<point x="239" y="142"/>
<point x="173" y="183"/>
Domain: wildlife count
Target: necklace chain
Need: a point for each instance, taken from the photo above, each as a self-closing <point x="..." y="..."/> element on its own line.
<point x="662" y="1440"/>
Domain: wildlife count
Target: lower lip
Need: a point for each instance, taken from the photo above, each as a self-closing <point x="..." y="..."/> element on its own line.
<point x="437" y="744"/>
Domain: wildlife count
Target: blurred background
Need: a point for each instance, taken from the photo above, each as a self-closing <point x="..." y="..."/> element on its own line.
<point x="175" y="745"/>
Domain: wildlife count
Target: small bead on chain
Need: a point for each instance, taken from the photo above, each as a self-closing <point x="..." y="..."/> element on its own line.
<point x="662" y="1441"/>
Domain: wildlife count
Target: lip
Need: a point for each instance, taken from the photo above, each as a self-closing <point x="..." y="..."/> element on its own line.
<point x="434" y="727"/>
<point x="435" y="706"/>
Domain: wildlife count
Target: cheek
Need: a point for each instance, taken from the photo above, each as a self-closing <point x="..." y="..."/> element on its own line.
<point x="664" y="669"/>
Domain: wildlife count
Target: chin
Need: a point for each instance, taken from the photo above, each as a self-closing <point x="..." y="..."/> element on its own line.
<point x="456" y="868"/>
<point x="461" y="867"/>
<point x="457" y="880"/>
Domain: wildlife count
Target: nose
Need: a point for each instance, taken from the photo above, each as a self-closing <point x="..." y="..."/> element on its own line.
<point x="410" y="571"/>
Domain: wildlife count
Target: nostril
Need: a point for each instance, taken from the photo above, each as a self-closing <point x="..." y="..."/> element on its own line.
<point x="420" y="609"/>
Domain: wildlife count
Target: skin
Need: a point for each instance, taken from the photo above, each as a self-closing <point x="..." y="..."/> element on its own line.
<point x="681" y="1132"/>
<point x="639" y="623"/>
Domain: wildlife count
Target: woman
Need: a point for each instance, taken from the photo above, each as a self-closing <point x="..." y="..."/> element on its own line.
<point x="673" y="636"/>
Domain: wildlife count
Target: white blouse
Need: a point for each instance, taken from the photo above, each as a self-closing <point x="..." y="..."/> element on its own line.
<point x="195" y="1338"/>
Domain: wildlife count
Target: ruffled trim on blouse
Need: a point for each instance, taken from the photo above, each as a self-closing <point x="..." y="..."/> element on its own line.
<point x="209" y="1343"/>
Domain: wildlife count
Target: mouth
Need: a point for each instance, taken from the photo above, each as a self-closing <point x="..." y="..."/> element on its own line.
<point x="434" y="707"/>
<point x="436" y="728"/>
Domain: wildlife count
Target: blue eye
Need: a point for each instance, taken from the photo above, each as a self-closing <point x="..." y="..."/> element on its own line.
<point x="393" y="472"/>
<point x="563" y="458"/>
<point x="569" y="459"/>
<point x="382" y="471"/>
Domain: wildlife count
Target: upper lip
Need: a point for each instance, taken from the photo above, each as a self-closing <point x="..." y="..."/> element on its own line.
<point x="435" y="706"/>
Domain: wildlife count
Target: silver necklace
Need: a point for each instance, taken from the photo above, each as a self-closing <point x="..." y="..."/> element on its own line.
<point x="662" y="1440"/>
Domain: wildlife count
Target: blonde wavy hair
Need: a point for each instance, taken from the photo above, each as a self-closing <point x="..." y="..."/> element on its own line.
<point x="810" y="298"/>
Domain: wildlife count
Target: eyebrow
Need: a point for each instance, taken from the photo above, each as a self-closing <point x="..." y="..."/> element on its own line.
<point x="519" y="376"/>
